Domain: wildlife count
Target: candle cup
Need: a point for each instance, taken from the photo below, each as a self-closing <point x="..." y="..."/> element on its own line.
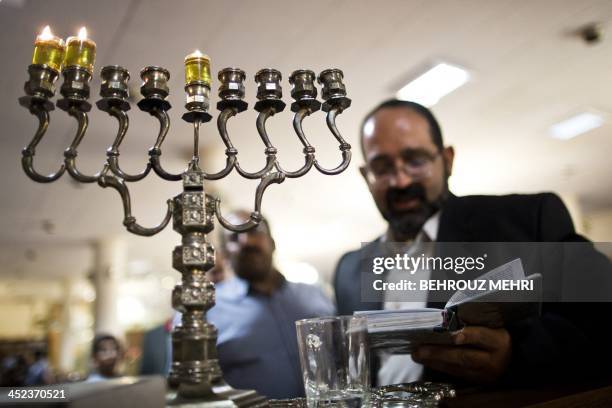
<point x="80" y="52"/>
<point x="269" y="90"/>
<point x="333" y="91"/>
<point x="231" y="89"/>
<point x="154" y="88"/>
<point x="114" y="89"/>
<point x="49" y="50"/>
<point x="75" y="89"/>
<point x="304" y="91"/>
<point x="41" y="83"/>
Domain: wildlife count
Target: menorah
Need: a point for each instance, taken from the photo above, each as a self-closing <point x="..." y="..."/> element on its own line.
<point x="195" y="375"/>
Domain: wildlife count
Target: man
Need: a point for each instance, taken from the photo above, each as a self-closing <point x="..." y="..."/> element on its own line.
<point x="255" y="313"/>
<point x="107" y="355"/>
<point x="407" y="168"/>
<point x="39" y="372"/>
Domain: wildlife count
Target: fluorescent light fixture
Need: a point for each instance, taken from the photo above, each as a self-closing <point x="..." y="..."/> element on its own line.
<point x="434" y="84"/>
<point x="576" y="125"/>
<point x="13" y="3"/>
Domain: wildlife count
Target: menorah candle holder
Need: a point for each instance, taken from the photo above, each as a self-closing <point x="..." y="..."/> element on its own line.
<point x="195" y="376"/>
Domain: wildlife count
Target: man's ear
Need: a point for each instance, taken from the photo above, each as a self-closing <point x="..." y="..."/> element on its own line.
<point x="364" y="173"/>
<point x="448" y="153"/>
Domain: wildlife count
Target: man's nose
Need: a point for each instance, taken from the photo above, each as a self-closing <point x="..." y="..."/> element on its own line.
<point x="400" y="179"/>
<point x="245" y="238"/>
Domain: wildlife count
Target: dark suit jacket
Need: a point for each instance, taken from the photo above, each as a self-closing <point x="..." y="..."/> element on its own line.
<point x="567" y="339"/>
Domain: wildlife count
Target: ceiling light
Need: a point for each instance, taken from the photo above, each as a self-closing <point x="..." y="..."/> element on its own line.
<point x="576" y="125"/>
<point x="434" y="84"/>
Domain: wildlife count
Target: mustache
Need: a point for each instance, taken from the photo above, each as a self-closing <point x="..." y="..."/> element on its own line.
<point x="413" y="191"/>
<point x="250" y="250"/>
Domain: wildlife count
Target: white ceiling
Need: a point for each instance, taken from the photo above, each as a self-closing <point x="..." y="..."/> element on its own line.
<point x="528" y="70"/>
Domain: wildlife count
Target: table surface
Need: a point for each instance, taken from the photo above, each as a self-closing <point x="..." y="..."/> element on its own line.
<point x="596" y="394"/>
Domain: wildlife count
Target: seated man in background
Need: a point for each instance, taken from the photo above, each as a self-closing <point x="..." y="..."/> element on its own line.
<point x="107" y="355"/>
<point x="255" y="314"/>
<point x="406" y="169"/>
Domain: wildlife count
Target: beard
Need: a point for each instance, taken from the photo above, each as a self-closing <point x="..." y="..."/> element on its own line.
<point x="409" y="209"/>
<point x="252" y="264"/>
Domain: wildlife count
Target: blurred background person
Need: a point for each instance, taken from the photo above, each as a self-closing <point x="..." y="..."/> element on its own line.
<point x="107" y="355"/>
<point x="255" y="313"/>
<point x="39" y="372"/>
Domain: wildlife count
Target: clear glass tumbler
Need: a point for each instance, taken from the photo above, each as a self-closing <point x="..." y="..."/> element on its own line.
<point x="335" y="361"/>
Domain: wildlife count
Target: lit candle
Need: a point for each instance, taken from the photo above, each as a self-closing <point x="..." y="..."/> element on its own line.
<point x="197" y="68"/>
<point x="48" y="50"/>
<point x="80" y="51"/>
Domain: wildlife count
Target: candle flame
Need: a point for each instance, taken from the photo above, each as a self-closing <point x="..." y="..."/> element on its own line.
<point x="46" y="33"/>
<point x="83" y="34"/>
<point x="197" y="53"/>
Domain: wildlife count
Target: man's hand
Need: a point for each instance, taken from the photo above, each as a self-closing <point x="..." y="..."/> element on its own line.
<point x="480" y="354"/>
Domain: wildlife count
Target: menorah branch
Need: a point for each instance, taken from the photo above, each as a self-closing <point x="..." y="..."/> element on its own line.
<point x="113" y="152"/>
<point x="255" y="217"/>
<point x="70" y="154"/>
<point x="105" y="180"/>
<point x="344" y="147"/>
<point x="155" y="152"/>
<point x="270" y="150"/>
<point x="309" y="151"/>
<point x="27" y="159"/>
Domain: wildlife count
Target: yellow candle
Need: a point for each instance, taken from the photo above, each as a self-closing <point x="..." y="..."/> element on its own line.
<point x="48" y="50"/>
<point x="80" y="51"/>
<point x="197" y="68"/>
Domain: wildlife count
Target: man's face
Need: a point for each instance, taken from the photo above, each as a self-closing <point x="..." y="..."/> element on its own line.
<point x="406" y="172"/>
<point x="107" y="357"/>
<point x="250" y="253"/>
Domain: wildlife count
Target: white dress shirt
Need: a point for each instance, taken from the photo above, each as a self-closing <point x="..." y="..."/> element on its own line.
<point x="400" y="368"/>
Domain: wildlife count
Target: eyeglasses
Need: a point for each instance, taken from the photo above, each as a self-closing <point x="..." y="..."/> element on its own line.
<point x="417" y="164"/>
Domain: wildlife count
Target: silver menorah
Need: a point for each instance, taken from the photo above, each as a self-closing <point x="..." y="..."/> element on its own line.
<point x="195" y="374"/>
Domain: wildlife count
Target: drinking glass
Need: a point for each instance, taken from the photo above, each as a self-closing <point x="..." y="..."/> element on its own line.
<point x="334" y="356"/>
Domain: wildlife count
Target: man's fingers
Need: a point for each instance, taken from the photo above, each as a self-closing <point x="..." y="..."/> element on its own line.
<point x="483" y="337"/>
<point x="462" y="357"/>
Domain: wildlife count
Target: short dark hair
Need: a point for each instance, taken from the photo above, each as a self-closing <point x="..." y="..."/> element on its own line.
<point x="434" y="126"/>
<point x="95" y="347"/>
<point x="262" y="223"/>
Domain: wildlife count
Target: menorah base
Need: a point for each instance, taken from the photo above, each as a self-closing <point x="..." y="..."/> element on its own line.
<point x="223" y="396"/>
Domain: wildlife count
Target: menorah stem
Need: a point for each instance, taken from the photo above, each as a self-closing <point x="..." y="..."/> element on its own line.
<point x="27" y="159"/>
<point x="196" y="141"/>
